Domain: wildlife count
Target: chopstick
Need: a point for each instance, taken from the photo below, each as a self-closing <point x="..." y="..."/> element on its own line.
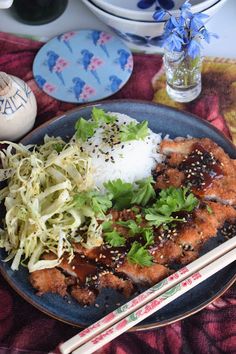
<point x="153" y="299"/>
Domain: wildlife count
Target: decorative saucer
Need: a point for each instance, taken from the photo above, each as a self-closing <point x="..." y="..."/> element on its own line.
<point x="82" y="66"/>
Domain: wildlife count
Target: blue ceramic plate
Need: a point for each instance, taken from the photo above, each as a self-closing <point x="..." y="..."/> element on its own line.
<point x="161" y="119"/>
<point x="82" y="66"/>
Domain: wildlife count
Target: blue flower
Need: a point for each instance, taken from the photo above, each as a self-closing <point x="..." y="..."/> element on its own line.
<point x="186" y="10"/>
<point x="208" y="35"/>
<point x="197" y="21"/>
<point x="184" y="32"/>
<point x="174" y="42"/>
<point x="194" y="48"/>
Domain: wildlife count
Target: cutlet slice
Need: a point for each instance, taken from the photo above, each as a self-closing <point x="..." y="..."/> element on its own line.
<point x="201" y="165"/>
<point x="113" y="281"/>
<point x="169" y="177"/>
<point x="136" y="273"/>
<point x="182" y="244"/>
<point x="48" y="280"/>
<point x="144" y="275"/>
<point x="87" y="296"/>
<point x="84" y="296"/>
<point x="86" y="278"/>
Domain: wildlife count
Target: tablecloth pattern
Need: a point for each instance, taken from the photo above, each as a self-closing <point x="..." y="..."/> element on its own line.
<point x="24" y="329"/>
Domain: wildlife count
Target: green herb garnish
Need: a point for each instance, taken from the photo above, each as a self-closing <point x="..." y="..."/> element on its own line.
<point x="148" y="236"/>
<point x="114" y="238"/>
<point x="85" y="129"/>
<point x="171" y="200"/>
<point x="122" y="193"/>
<point x="145" y="192"/>
<point x="125" y="194"/>
<point x="139" y="255"/>
<point x="99" y="116"/>
<point x="133" y="131"/>
<point x="98" y="203"/>
<point x="131" y="225"/>
<point x="107" y="226"/>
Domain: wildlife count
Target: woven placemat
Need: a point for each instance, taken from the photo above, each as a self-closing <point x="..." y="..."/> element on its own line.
<point x="217" y="101"/>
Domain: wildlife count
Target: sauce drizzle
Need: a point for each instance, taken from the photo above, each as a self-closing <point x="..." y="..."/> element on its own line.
<point x="200" y="168"/>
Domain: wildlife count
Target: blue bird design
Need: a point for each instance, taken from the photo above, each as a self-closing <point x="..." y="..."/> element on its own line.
<point x="123" y="58"/>
<point x="96" y="35"/>
<point x="78" y="86"/>
<point x="51" y="63"/>
<point x="52" y="59"/>
<point x="115" y="83"/>
<point x="67" y="43"/>
<point x="87" y="57"/>
<point x="40" y="81"/>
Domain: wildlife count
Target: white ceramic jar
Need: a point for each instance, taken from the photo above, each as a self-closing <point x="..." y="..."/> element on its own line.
<point x="18" y="107"/>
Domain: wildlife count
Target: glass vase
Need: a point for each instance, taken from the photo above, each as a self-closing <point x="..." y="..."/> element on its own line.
<point x="183" y="76"/>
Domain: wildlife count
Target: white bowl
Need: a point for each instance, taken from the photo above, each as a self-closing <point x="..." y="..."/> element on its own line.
<point x="140" y="35"/>
<point x="129" y="8"/>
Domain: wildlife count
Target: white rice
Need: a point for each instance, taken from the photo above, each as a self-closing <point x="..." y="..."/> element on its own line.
<point x="130" y="161"/>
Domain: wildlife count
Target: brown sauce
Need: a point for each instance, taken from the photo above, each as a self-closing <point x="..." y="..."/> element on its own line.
<point x="200" y="168"/>
<point x="83" y="269"/>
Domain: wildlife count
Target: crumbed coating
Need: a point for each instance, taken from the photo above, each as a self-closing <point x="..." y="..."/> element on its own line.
<point x="144" y="275"/>
<point x="48" y="280"/>
<point x="221" y="189"/>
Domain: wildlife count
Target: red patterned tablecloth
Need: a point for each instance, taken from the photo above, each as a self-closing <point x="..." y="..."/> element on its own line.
<point x="23" y="329"/>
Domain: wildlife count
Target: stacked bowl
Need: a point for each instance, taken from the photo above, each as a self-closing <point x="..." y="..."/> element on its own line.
<point x="133" y="22"/>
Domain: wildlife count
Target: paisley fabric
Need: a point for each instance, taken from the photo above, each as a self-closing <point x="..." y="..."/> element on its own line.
<point x="24" y="329"/>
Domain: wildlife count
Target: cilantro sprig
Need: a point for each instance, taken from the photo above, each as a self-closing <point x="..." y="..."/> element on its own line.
<point x="171" y="200"/>
<point x="144" y="192"/>
<point x="114" y="238"/>
<point x="86" y="128"/>
<point x="138" y="254"/>
<point x="93" y="202"/>
<point x="99" y="116"/>
<point x="133" y="131"/>
<point x="124" y="194"/>
<point x="131" y="226"/>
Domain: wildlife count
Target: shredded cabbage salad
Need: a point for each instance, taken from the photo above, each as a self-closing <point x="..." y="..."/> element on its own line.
<point x="41" y="215"/>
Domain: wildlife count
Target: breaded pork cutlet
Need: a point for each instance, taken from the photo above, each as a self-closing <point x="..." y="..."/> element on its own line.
<point x="201" y="165"/>
<point x="182" y="243"/>
<point x="108" y="267"/>
<point x="81" y="277"/>
<point x="49" y="280"/>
